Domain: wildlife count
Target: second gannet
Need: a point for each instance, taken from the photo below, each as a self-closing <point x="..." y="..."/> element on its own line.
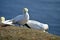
<point x="22" y="19"/>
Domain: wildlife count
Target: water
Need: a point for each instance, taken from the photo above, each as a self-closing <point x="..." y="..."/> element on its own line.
<point x="45" y="11"/>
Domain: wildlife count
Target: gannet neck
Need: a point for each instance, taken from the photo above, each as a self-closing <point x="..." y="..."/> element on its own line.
<point x="25" y="10"/>
<point x="26" y="15"/>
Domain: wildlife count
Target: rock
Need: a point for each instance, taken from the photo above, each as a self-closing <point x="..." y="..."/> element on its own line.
<point x="20" y="33"/>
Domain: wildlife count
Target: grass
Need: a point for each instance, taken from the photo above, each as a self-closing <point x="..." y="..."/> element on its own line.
<point x="19" y="33"/>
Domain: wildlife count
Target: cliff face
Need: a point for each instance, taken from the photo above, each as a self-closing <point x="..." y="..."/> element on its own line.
<point x="18" y="33"/>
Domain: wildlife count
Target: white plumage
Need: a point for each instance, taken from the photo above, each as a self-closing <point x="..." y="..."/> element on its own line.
<point x="22" y="19"/>
<point x="9" y="22"/>
<point x="5" y="22"/>
<point x="37" y="25"/>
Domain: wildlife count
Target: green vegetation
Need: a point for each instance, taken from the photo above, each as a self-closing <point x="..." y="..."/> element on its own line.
<point x="19" y="33"/>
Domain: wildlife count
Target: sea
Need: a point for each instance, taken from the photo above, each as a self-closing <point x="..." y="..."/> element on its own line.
<point x="44" y="11"/>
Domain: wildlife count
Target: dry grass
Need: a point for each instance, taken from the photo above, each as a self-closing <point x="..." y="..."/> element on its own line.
<point x="18" y="33"/>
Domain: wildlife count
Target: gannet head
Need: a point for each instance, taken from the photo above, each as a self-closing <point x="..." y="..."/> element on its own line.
<point x="45" y="26"/>
<point x="2" y="19"/>
<point x="25" y="10"/>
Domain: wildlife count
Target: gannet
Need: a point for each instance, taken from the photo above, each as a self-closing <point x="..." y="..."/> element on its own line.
<point x="22" y="19"/>
<point x="36" y="25"/>
<point x="30" y="24"/>
<point x="5" y="22"/>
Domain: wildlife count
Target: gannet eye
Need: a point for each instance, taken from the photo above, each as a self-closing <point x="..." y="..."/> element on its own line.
<point x="25" y="9"/>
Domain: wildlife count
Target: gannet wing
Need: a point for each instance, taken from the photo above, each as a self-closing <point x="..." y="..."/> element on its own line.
<point x="18" y="18"/>
<point x="37" y="25"/>
<point x="8" y="22"/>
<point x="34" y="24"/>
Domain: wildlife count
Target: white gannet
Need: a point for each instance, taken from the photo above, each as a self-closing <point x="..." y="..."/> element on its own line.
<point x="22" y="19"/>
<point x="30" y="24"/>
<point x="36" y="25"/>
<point x="5" y="22"/>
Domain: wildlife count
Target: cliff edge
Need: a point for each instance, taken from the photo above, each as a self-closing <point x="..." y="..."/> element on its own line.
<point x="19" y="33"/>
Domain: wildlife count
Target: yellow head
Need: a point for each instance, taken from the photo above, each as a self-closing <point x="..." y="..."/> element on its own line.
<point x="2" y="19"/>
<point x="25" y="10"/>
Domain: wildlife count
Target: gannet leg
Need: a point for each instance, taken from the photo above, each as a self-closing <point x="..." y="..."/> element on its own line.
<point x="27" y="25"/>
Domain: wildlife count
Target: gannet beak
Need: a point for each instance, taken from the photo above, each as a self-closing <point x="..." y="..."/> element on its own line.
<point x="25" y="9"/>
